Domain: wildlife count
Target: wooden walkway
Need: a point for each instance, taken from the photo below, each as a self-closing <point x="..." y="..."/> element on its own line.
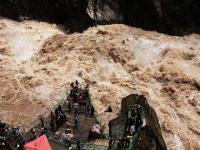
<point x="84" y="125"/>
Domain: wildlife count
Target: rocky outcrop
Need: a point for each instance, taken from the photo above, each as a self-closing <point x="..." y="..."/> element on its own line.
<point x="150" y="136"/>
<point x="106" y="11"/>
<point x="72" y="13"/>
<point x="168" y="16"/>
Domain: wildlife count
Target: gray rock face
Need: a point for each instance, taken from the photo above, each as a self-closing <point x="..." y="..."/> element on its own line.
<point x="71" y="12"/>
<point x="176" y="17"/>
<point x="150" y="136"/>
<point x="107" y="11"/>
<point x="168" y="16"/>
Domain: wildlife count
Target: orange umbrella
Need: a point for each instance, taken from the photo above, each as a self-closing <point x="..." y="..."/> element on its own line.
<point x="40" y="143"/>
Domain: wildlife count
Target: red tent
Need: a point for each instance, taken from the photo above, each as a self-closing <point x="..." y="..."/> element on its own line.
<point x="40" y="143"/>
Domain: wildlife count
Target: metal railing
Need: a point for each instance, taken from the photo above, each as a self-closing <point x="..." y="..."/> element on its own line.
<point x="136" y="135"/>
<point x="120" y="132"/>
<point x="83" y="144"/>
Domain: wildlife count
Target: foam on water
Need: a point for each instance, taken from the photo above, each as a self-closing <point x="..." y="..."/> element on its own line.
<point x="147" y="51"/>
<point x="178" y="143"/>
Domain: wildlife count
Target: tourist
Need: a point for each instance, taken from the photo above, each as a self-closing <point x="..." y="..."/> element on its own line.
<point x="6" y="146"/>
<point x="67" y="103"/>
<point x="63" y="136"/>
<point x="33" y="133"/>
<point x="77" y="84"/>
<point x="110" y="128"/>
<point x="90" y="135"/>
<point x="132" y="129"/>
<point x="78" y="146"/>
<point x="60" y="109"/>
<point x="52" y="125"/>
<point x="110" y="138"/>
<point x="56" y="112"/>
<point x="92" y="110"/>
<point x="61" y="118"/>
<point x="52" y="121"/>
<point x="76" y="122"/>
<point x="127" y="140"/>
<point x="71" y="94"/>
<point x="72" y="85"/>
<point x="52" y="115"/>
<point x="120" y="144"/>
<point x="57" y="119"/>
<point x="42" y="121"/>
<point x="20" y="146"/>
<point x="43" y="131"/>
<point x="88" y="109"/>
<point x="76" y="106"/>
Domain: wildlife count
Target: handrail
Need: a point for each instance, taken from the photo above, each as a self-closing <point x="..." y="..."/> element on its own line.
<point x="131" y="145"/>
<point x="83" y="144"/>
<point x="98" y="119"/>
<point x="120" y="131"/>
<point x="115" y="135"/>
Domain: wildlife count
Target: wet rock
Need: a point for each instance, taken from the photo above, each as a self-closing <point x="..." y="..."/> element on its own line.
<point x="150" y="136"/>
<point x="168" y="16"/>
<point x="72" y="13"/>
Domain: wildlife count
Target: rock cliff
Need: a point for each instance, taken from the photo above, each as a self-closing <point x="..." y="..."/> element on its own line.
<point x="150" y="136"/>
<point x="72" y="13"/>
<point x="168" y="16"/>
<point x="176" y="17"/>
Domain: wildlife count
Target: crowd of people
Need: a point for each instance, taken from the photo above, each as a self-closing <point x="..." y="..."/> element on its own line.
<point x="57" y="118"/>
<point x="77" y="102"/>
<point x="9" y="134"/>
<point x="133" y="122"/>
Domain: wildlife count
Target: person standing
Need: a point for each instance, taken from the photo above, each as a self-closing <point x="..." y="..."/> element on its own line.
<point x="92" y="110"/>
<point x="78" y="146"/>
<point x="70" y="146"/>
<point x="60" y="109"/>
<point x="76" y="107"/>
<point x="76" y="122"/>
<point x="42" y="121"/>
<point x="110" y="138"/>
<point x="52" y="122"/>
<point x="34" y="134"/>
<point x="88" y="109"/>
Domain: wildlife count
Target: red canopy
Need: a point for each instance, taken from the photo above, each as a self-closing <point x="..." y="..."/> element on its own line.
<point x="40" y="143"/>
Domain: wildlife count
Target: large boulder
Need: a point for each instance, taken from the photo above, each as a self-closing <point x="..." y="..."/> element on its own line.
<point x="150" y="135"/>
<point x="72" y="13"/>
<point x="175" y="17"/>
<point x="168" y="16"/>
